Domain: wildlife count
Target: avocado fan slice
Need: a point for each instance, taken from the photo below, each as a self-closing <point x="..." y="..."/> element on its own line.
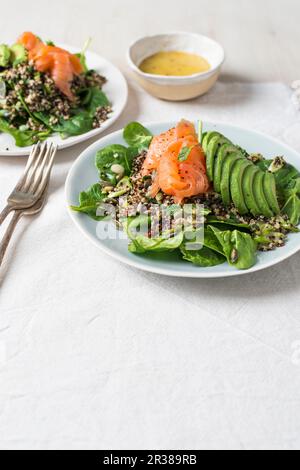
<point x="259" y="195"/>
<point x="207" y="138"/>
<point x="229" y="162"/>
<point x="236" y="185"/>
<point x="18" y="54"/>
<point x="212" y="151"/>
<point x="4" y="55"/>
<point x="270" y="192"/>
<point x="248" y="189"/>
<point x="224" y="150"/>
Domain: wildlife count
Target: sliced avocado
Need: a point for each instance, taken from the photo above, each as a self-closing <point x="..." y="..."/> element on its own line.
<point x="223" y="151"/>
<point x="207" y="138"/>
<point x="4" y="55"/>
<point x="236" y="185"/>
<point x="229" y="162"/>
<point x="248" y="189"/>
<point x="212" y="150"/>
<point x="270" y="192"/>
<point x="18" y="54"/>
<point x="259" y="195"/>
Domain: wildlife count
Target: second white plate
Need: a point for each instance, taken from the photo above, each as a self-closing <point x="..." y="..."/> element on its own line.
<point x="116" y="90"/>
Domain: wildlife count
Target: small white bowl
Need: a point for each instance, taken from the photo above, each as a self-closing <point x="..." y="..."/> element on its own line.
<point x="176" y="88"/>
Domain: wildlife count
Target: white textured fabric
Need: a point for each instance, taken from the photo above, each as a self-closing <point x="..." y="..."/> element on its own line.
<point x="94" y="354"/>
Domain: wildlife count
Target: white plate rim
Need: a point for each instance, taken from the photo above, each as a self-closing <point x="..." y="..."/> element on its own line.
<point x="202" y="273"/>
<point x="75" y="140"/>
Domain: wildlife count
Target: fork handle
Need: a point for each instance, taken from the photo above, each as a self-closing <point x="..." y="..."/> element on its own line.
<point x="8" y="234"/>
<point x="6" y="211"/>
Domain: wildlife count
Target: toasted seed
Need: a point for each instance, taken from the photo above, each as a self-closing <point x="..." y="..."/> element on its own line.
<point x="108" y="189"/>
<point x="118" y="169"/>
<point x="234" y="255"/>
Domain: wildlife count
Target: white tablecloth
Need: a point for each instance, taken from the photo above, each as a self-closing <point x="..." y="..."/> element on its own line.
<point x="94" y="354"/>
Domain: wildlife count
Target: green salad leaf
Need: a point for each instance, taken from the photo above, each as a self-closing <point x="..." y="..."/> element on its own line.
<point x="291" y="197"/>
<point x="82" y="120"/>
<point x="205" y="257"/>
<point x="97" y="99"/>
<point x="209" y="254"/>
<point x="137" y="136"/>
<point x="112" y="155"/>
<point x="23" y="138"/>
<point x="211" y="240"/>
<point x="227" y="224"/>
<point x="239" y="248"/>
<point x="137" y="231"/>
<point x="89" y="201"/>
<point x="143" y="244"/>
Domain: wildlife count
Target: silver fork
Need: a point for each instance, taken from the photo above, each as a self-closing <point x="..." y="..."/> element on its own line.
<point x="35" y="209"/>
<point x="34" y="180"/>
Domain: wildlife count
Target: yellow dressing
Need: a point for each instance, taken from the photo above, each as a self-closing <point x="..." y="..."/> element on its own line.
<point x="174" y="63"/>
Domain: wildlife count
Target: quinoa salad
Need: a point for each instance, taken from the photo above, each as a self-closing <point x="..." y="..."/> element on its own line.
<point x="247" y="203"/>
<point x="45" y="90"/>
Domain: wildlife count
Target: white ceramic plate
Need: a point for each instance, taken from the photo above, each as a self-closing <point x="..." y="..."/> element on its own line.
<point x="116" y="90"/>
<point x="83" y="174"/>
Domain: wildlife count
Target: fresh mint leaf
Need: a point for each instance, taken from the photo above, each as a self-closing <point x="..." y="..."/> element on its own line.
<point x="185" y="153"/>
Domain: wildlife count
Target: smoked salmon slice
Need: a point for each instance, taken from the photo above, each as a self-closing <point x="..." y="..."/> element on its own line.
<point x="158" y="146"/>
<point x="180" y="179"/>
<point x="60" y="64"/>
<point x="29" y="41"/>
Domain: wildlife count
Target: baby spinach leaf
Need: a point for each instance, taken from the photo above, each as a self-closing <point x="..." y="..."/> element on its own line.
<point x="89" y="201"/>
<point x="81" y="121"/>
<point x="23" y="138"/>
<point x="79" y="124"/>
<point x="239" y="248"/>
<point x="137" y="136"/>
<point x="227" y="224"/>
<point x="98" y="99"/>
<point x="292" y="208"/>
<point x="143" y="244"/>
<point x="211" y="241"/>
<point x="205" y="257"/>
<point x="137" y="231"/>
<point x="109" y="156"/>
<point x="209" y="254"/>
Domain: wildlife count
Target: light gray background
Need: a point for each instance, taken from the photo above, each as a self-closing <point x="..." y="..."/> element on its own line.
<point x="261" y="37"/>
<point x="94" y="354"/>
